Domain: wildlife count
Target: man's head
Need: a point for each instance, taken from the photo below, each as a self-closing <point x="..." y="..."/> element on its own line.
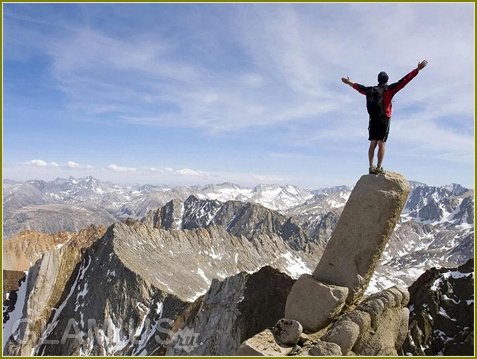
<point x="382" y="77"/>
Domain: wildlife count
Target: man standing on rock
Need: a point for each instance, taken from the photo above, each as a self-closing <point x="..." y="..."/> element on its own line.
<point x="379" y="105"/>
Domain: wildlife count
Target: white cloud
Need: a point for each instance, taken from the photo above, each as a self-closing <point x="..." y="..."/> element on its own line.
<point x="189" y="172"/>
<point x="72" y="164"/>
<point x="41" y="163"/>
<point x="120" y="169"/>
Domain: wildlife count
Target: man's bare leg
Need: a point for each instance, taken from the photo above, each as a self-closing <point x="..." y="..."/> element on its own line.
<point x="381" y="151"/>
<point x="372" y="147"/>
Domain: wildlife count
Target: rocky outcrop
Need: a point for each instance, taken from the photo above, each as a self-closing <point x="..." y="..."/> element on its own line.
<point x="375" y="326"/>
<point x="231" y="311"/>
<point x="47" y="280"/>
<point x="365" y="226"/>
<point x="352" y="254"/>
<point x="442" y="313"/>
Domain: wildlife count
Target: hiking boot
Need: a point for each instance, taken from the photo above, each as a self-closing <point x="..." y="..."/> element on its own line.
<point x="372" y="170"/>
<point x="379" y="170"/>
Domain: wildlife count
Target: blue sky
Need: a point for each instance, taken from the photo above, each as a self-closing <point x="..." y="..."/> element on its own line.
<point x="185" y="94"/>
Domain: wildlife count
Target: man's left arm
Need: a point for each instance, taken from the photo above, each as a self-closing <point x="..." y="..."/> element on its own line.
<point x="395" y="87"/>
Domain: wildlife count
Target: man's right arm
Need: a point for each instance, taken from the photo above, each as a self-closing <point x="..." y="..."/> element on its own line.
<point x="360" y="88"/>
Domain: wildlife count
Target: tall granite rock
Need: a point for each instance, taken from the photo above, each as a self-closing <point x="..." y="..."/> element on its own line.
<point x="365" y="226"/>
<point x="353" y="252"/>
<point x="328" y="305"/>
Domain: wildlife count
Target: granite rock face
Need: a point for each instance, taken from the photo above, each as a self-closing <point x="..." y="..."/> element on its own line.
<point x="363" y="230"/>
<point x="90" y="303"/>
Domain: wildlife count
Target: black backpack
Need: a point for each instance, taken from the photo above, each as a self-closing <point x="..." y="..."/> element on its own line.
<point x="374" y="101"/>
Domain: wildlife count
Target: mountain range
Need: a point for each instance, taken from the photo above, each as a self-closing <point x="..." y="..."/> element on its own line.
<point x="78" y="203"/>
<point x="436" y="227"/>
<point x="194" y="255"/>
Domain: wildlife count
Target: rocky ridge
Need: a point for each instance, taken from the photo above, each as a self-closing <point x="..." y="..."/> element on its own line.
<point x="238" y="218"/>
<point x="436" y="227"/>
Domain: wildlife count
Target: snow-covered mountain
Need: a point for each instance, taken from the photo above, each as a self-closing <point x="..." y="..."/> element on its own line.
<point x="28" y="205"/>
<point x="436" y="227"/>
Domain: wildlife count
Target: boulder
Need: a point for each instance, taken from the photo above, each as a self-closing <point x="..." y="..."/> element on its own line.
<point x="363" y="230"/>
<point x="287" y="331"/>
<point x="263" y="344"/>
<point x="345" y="335"/>
<point x="314" y="304"/>
<point x="323" y="348"/>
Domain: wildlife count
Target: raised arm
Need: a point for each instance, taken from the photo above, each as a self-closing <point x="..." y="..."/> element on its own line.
<point x="395" y="87"/>
<point x="347" y="81"/>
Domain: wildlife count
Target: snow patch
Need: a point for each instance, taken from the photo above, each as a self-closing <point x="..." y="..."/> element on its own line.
<point x="202" y="274"/>
<point x="296" y="265"/>
<point x="15" y="316"/>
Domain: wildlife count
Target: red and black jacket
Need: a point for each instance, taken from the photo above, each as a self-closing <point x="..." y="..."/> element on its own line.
<point x="389" y="90"/>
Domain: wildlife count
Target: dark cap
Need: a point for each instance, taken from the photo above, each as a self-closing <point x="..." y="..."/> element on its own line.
<point x="383" y="77"/>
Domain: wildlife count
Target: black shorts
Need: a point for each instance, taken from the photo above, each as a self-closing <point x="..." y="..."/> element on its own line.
<point x="379" y="128"/>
